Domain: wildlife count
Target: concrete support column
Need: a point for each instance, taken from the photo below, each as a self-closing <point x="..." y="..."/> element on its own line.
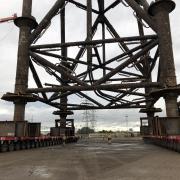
<point x="160" y="10"/>
<point x="19" y="111"/>
<point x="21" y="83"/>
<point x="150" y="116"/>
<point x="171" y="105"/>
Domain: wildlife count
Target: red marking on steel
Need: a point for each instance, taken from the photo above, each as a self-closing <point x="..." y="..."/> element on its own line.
<point x="8" y="18"/>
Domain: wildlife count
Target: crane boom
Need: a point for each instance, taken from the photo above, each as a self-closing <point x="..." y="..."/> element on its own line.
<point x="11" y="18"/>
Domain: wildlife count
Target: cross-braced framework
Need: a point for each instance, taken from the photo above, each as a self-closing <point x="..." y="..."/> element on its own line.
<point x="88" y="116"/>
<point x="114" y="78"/>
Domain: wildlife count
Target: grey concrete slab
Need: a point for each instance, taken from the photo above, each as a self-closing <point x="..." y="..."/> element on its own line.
<point x="127" y="160"/>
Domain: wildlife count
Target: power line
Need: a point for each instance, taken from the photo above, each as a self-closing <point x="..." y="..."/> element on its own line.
<point x="89" y="116"/>
<point x="6" y="35"/>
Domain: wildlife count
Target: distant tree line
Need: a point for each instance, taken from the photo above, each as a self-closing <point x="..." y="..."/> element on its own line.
<point x="85" y="130"/>
<point x="105" y="131"/>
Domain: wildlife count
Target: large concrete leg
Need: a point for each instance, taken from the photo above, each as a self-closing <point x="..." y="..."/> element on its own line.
<point x="19" y="111"/>
<point x="23" y="60"/>
<point x="171" y="105"/>
<point x="160" y="10"/>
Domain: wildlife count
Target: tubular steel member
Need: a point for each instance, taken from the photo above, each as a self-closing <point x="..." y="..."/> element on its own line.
<point x="95" y="42"/>
<point x="143" y="14"/>
<point x="160" y="10"/>
<point x="97" y="87"/>
<point x="23" y="59"/>
<point x="46" y="20"/>
<point x="146" y="67"/>
<point x="26" y="23"/>
<point x="130" y="66"/>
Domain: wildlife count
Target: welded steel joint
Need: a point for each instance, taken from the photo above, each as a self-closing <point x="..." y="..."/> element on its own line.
<point x="26" y="21"/>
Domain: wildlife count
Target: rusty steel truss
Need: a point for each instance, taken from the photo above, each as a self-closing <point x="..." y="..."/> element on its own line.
<point x="122" y="81"/>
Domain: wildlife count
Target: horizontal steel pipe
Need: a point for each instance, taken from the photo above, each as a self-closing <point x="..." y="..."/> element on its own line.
<point x="94" y="42"/>
<point x="69" y="59"/>
<point x="112" y="107"/>
<point x="98" y="87"/>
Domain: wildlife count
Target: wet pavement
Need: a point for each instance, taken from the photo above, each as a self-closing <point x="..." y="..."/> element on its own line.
<point x="126" y="160"/>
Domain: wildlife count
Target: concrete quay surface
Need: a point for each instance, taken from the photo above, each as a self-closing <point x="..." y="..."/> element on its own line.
<point x="90" y="160"/>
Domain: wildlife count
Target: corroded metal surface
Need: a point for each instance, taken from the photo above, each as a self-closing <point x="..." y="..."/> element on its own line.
<point x="130" y="69"/>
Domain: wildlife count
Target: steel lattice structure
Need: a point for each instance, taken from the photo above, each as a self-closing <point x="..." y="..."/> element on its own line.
<point x="127" y="74"/>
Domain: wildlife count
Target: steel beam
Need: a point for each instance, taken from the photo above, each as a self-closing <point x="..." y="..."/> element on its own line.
<point x="88" y="88"/>
<point x="82" y="49"/>
<point x="146" y="62"/>
<point x="81" y="6"/>
<point x="126" y="63"/>
<point x="70" y="93"/>
<point x="95" y="42"/>
<point x="90" y="99"/>
<point x="120" y="57"/>
<point x="36" y="78"/>
<point x="55" y="105"/>
<point x="123" y="46"/>
<point x="142" y="13"/>
<point x="46" y="20"/>
<point x="113" y="5"/>
<point x="95" y="66"/>
<point x="59" y="69"/>
<point x="80" y="93"/>
<point x="111" y="107"/>
<point x="113" y="101"/>
<point x="144" y="3"/>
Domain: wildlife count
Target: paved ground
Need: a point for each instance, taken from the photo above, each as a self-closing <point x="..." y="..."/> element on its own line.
<point x="128" y="160"/>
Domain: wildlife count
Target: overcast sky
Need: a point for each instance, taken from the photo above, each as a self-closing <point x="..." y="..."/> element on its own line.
<point x="109" y="119"/>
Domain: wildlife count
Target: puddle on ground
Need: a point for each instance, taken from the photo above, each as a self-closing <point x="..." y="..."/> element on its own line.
<point x="40" y="171"/>
<point x="114" y="147"/>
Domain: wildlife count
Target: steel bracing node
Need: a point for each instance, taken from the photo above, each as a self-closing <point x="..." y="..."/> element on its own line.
<point x="113" y="80"/>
